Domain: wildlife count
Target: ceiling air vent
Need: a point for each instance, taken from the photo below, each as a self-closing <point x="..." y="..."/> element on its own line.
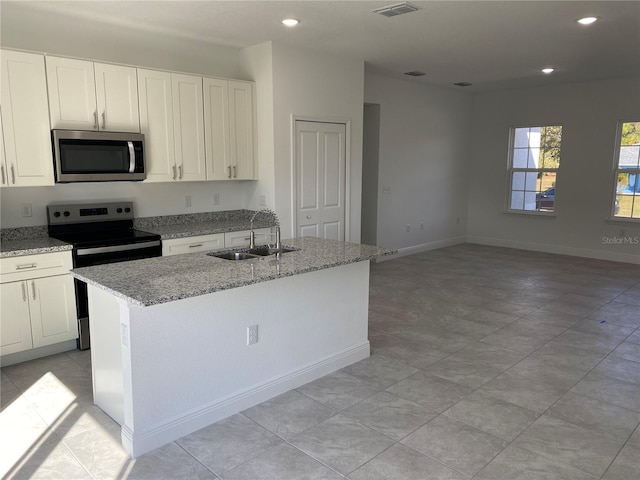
<point x="396" y="9"/>
<point x="415" y="73"/>
<point x="462" y="84"/>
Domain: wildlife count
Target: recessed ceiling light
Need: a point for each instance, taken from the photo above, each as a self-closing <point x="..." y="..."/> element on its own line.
<point x="587" y="20"/>
<point x="290" y="22"/>
<point x="548" y="70"/>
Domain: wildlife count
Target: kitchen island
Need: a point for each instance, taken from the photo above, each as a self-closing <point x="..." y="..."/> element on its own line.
<point x="171" y="345"/>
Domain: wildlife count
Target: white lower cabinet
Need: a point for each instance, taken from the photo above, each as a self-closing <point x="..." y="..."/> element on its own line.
<point x="216" y="241"/>
<point x="243" y="237"/>
<point x="37" y="302"/>
<point x="200" y="243"/>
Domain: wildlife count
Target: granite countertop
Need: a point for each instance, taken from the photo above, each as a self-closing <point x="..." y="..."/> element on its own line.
<point x="15" y="242"/>
<point x="153" y="281"/>
<point x="191" y="229"/>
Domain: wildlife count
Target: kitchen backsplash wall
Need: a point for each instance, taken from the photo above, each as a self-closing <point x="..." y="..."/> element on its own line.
<point x="149" y="199"/>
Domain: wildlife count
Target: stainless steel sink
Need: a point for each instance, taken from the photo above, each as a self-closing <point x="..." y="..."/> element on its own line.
<point x="234" y="255"/>
<point x="248" y="254"/>
<point x="268" y="250"/>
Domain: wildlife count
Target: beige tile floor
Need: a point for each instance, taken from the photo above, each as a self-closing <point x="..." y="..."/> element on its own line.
<point x="486" y="363"/>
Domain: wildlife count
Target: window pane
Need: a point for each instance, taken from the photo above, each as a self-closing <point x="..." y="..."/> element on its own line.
<point x="630" y="133"/>
<point x="531" y="181"/>
<point x="529" y="200"/>
<point x="636" y="207"/>
<point x="520" y="156"/>
<point x="629" y="156"/>
<point x="517" y="200"/>
<point x="551" y="158"/>
<point x="534" y="158"/>
<point x="517" y="182"/>
<point x="521" y="138"/>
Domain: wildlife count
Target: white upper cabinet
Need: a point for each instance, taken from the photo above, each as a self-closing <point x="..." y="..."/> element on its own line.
<point x="241" y="130"/>
<point x="188" y="127"/>
<point x="26" y="136"/>
<point x="229" y="135"/>
<point x="156" y="123"/>
<point x="117" y="98"/>
<point x="84" y="95"/>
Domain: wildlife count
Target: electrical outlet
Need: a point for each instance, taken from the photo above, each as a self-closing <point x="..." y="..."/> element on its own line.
<point x="421" y="225"/>
<point x="252" y="334"/>
<point x="458" y="221"/>
<point x="187" y="200"/>
<point x="25" y="210"/>
<point x="216" y="199"/>
<point x="408" y="228"/>
<point x="263" y="200"/>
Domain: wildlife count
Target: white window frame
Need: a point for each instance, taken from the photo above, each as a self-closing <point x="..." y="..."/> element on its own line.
<point x="617" y="170"/>
<point x="511" y="169"/>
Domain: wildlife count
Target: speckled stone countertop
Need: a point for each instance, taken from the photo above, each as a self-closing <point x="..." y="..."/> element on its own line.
<point x="153" y="281"/>
<point x="208" y="223"/>
<point x="15" y="242"/>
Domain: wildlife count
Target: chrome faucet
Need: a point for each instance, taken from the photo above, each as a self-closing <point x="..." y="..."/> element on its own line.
<point x="252" y="236"/>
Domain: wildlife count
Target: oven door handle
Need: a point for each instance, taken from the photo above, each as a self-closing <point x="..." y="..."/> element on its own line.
<point x="117" y="248"/>
<point x="132" y="157"/>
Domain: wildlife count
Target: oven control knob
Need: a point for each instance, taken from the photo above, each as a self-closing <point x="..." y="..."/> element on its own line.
<point x="56" y="214"/>
<point x="67" y="213"/>
<point x="127" y="209"/>
<point x="119" y="210"/>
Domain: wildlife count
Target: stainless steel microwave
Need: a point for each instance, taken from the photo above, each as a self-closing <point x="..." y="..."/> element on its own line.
<point x="86" y="156"/>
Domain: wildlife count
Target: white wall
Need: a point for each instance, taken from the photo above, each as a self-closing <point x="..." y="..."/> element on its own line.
<point x="589" y="113"/>
<point x="257" y="63"/>
<point x="322" y="86"/>
<point x="370" y="169"/>
<point x="423" y="160"/>
<point x="150" y="199"/>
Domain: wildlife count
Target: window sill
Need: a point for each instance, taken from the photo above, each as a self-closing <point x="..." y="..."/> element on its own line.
<point x="531" y="213"/>
<point x="632" y="221"/>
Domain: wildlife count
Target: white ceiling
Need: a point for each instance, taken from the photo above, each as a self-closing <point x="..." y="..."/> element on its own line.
<point x="492" y="44"/>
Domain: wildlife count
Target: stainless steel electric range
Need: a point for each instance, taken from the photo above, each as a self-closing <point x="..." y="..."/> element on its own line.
<point x="100" y="233"/>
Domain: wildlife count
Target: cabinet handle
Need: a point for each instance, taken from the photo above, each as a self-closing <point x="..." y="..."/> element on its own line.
<point x="104" y="122"/>
<point x="180" y="172"/>
<point x="195" y="246"/>
<point x="95" y="120"/>
<point x="26" y="266"/>
<point x="33" y="287"/>
<point x="174" y="172"/>
<point x="24" y="293"/>
<point x="13" y="175"/>
<point x="235" y="173"/>
<point x="3" y="178"/>
<point x="229" y="167"/>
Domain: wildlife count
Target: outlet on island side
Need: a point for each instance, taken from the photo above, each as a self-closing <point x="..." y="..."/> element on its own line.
<point x="187" y="200"/>
<point x="252" y="334"/>
<point x="408" y="228"/>
<point x="216" y="199"/>
<point x="25" y="210"/>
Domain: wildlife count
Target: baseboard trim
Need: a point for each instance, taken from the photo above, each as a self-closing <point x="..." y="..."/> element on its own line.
<point x="424" y="247"/>
<point x="139" y="443"/>
<point x="556" y="249"/>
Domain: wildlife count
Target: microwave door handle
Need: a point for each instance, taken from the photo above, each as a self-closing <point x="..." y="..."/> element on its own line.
<point x="132" y="157"/>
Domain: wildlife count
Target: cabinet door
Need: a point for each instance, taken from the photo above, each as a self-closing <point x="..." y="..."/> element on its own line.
<point x="72" y="94"/>
<point x="25" y="120"/>
<point x="241" y="130"/>
<point x="188" y="127"/>
<point x="156" y="123"/>
<point x="117" y="98"/>
<point x="53" y="310"/>
<point x="200" y="243"/>
<point x="3" y="167"/>
<point x="15" y="324"/>
<point x="216" y="128"/>
<point x="243" y="238"/>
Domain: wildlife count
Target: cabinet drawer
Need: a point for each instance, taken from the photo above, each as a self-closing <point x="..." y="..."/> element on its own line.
<point x="14" y="269"/>
<point x="200" y="243"/>
<point x="243" y="237"/>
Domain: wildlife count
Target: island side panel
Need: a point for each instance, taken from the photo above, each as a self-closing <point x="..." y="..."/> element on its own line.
<point x="190" y="364"/>
<point x="105" y="322"/>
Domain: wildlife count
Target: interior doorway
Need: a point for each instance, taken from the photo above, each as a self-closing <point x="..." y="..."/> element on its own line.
<point x="370" y="166"/>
